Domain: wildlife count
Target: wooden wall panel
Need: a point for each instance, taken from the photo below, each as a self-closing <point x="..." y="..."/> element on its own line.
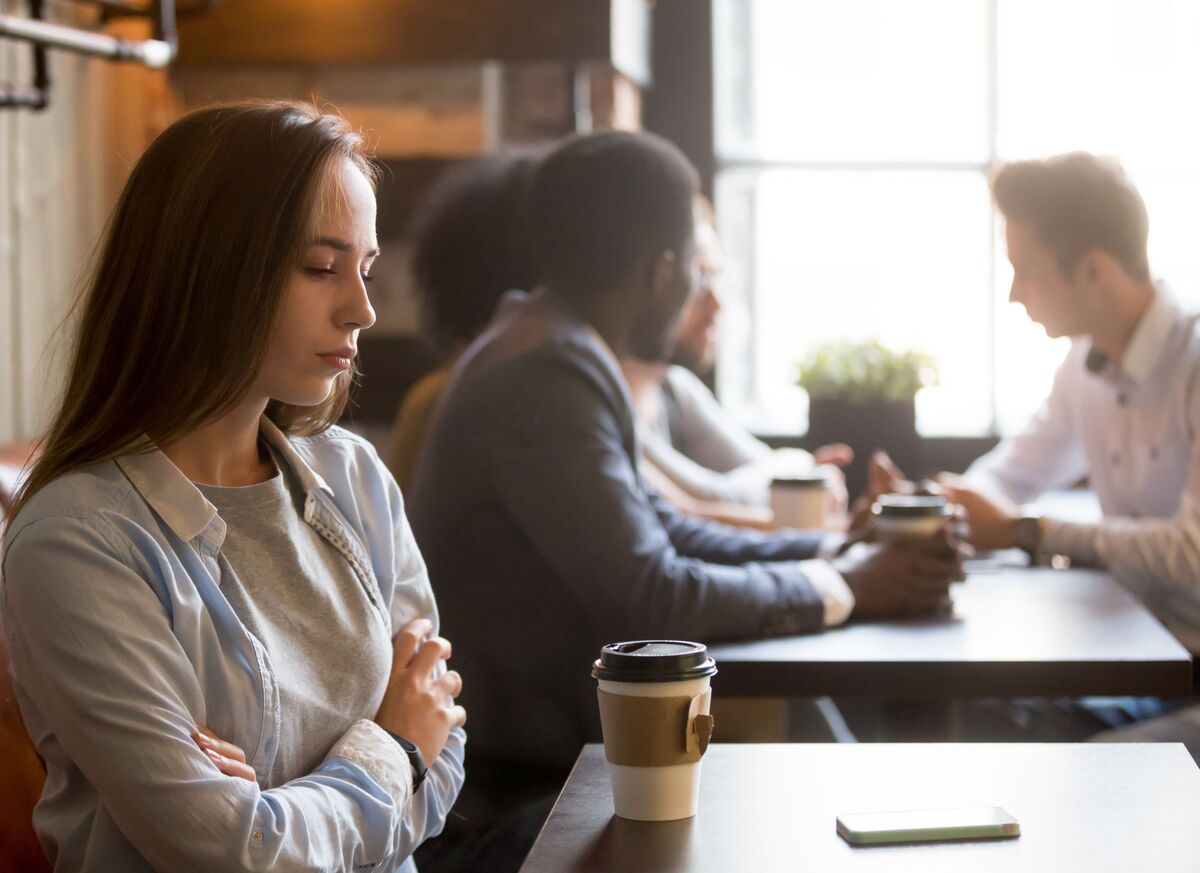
<point x="60" y="171"/>
<point x="397" y="32"/>
<point x="8" y="351"/>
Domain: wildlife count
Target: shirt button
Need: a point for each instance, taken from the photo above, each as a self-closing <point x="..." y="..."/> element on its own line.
<point x="1122" y="399"/>
<point x="1116" y="460"/>
<point x="1154" y="454"/>
<point x="257" y="836"/>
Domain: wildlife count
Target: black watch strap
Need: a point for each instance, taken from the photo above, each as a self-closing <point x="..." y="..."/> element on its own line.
<point x="1029" y="532"/>
<point x="415" y="758"/>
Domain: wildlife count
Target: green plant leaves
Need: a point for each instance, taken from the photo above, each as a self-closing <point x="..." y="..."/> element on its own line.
<point x="865" y="371"/>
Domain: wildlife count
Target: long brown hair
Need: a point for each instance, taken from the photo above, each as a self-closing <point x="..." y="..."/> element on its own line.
<point x="175" y="321"/>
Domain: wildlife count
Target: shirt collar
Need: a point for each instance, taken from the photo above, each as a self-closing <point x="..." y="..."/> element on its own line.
<point x="606" y="352"/>
<point x="1149" y="341"/>
<point x="181" y="505"/>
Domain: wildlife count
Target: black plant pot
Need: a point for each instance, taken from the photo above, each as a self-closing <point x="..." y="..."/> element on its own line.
<point x="866" y="426"/>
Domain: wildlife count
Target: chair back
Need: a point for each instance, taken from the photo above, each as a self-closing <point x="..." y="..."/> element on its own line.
<point x="21" y="770"/>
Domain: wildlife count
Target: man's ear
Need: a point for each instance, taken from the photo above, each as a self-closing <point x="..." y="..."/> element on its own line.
<point x="1089" y="269"/>
<point x="662" y="272"/>
<point x="1097" y="267"/>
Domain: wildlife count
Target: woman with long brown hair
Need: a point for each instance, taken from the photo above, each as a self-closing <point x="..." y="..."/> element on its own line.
<point x="223" y="635"/>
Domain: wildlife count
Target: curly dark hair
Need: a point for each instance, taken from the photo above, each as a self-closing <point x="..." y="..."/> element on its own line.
<point x="602" y="201"/>
<point x="472" y="244"/>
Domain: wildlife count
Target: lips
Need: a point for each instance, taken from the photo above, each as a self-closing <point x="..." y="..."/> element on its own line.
<point x="339" y="359"/>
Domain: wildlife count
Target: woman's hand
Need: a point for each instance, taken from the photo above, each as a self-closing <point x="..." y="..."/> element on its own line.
<point x="417" y="706"/>
<point x="229" y="759"/>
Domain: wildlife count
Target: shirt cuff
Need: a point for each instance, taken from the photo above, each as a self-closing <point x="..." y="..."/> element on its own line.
<point x="373" y="749"/>
<point x="834" y="592"/>
<point x="829" y="547"/>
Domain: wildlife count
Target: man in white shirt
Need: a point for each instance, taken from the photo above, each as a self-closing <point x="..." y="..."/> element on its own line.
<point x="1124" y="410"/>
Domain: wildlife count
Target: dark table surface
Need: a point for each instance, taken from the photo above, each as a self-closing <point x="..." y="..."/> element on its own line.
<point x="765" y="808"/>
<point x="1014" y="632"/>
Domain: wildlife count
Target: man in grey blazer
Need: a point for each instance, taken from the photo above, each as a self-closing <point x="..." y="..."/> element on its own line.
<point x="541" y="541"/>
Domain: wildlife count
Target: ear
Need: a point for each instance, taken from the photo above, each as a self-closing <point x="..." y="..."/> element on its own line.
<point x="662" y="272"/>
<point x="1092" y="268"/>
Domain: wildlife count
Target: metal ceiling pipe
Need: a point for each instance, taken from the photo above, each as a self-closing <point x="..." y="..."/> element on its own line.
<point x="154" y="53"/>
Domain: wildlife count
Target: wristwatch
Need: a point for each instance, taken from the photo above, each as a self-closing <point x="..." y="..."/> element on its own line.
<point x="415" y="758"/>
<point x="1028" y="533"/>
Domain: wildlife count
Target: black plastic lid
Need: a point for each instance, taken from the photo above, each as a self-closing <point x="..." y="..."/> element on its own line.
<point x="653" y="661"/>
<point x="800" y="480"/>
<point x="911" y="506"/>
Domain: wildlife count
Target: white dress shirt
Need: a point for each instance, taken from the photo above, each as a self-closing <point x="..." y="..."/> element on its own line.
<point x="1130" y="428"/>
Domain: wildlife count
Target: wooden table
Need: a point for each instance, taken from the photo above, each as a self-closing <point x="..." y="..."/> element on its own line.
<point x="766" y="808"/>
<point x="1015" y="632"/>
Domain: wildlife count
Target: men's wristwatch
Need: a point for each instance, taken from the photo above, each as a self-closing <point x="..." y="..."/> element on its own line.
<point x="1028" y="534"/>
<point x="414" y="757"/>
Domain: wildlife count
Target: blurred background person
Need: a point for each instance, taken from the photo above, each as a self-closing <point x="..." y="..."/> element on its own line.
<point x="471" y="245"/>
<point x="694" y="452"/>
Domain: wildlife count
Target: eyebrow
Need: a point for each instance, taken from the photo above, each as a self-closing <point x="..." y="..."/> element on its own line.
<point x="340" y="245"/>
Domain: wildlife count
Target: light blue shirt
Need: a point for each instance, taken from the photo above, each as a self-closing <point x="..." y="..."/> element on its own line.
<point x="122" y="643"/>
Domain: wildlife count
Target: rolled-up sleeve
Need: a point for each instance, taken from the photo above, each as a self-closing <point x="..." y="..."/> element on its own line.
<point x="94" y="656"/>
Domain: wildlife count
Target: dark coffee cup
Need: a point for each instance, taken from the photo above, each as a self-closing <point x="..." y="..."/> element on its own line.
<point x="910" y="516"/>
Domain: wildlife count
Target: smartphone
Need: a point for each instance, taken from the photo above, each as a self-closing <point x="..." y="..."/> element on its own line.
<point x="927" y="825"/>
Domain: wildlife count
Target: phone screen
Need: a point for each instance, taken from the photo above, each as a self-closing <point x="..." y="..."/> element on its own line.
<point x="920" y="825"/>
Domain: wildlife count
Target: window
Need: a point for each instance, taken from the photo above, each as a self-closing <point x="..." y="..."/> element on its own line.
<point x="854" y="142"/>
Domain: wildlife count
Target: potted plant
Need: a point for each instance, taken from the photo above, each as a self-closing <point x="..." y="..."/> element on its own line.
<point x="862" y="393"/>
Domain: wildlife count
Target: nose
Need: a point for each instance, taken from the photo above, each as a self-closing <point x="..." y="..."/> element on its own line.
<point x="357" y="312"/>
<point x="712" y="298"/>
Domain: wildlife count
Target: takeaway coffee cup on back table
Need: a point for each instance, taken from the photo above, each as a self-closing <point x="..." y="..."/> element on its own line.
<point x="654" y="711"/>
<point x="798" y="500"/>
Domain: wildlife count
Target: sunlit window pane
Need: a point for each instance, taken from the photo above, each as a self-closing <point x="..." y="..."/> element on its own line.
<point x="871" y="80"/>
<point x="902" y="257"/>
<point x="854" y="143"/>
<point x="1119" y="77"/>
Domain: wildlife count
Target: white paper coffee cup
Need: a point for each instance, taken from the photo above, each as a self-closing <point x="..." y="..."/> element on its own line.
<point x="655" y="705"/>
<point x="799" y="501"/>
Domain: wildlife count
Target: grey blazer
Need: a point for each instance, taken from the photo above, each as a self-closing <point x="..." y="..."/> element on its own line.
<point x="543" y="544"/>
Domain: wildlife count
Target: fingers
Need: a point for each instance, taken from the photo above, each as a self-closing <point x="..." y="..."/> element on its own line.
<point x="431" y="651"/>
<point x="226" y="757"/>
<point x="206" y="740"/>
<point x="927" y="602"/>
<point x="408" y="640"/>
<point x="931" y="573"/>
<point x="883" y="474"/>
<point x="838" y="454"/>
<point x="449" y="684"/>
<point x="230" y="767"/>
<point x="458" y="716"/>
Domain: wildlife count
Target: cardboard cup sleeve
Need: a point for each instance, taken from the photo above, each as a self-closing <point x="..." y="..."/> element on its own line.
<point x="655" y="731"/>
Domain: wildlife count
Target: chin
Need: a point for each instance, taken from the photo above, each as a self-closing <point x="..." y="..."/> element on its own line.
<point x="308" y="395"/>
